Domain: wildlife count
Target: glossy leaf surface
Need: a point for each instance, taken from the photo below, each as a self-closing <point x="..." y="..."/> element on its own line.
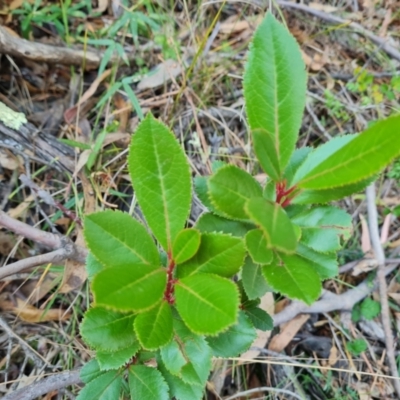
<point x="274" y="90"/>
<point x="322" y="227"/>
<point x="260" y="318"/>
<point x="136" y="288"/>
<point x="257" y="246"/>
<point x="107" y="330"/>
<point x="154" y="327"/>
<point x="117" y="358"/>
<point x="325" y="264"/>
<point x="292" y="276"/>
<point x="185" y="245"/>
<point x="253" y="280"/>
<point x="360" y="158"/>
<point x="161" y="179"/>
<point x="207" y="303"/>
<point x="106" y="386"/>
<point x="276" y="225"/>
<point x="236" y="340"/>
<point x="218" y="254"/>
<point x="147" y="383"/>
<point x="116" y="239"/>
<point x="229" y="189"/>
<point x="211" y="223"/>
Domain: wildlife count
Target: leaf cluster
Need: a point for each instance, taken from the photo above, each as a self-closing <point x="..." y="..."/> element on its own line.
<point x="171" y="295"/>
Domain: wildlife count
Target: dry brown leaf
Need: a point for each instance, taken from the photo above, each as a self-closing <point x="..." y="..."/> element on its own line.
<point x="9" y="161"/>
<point x="35" y="290"/>
<point x="122" y="137"/>
<point x="333" y="356"/>
<point x="29" y="313"/>
<point x="21" y="208"/>
<point x="365" y="238"/>
<point x="101" y="6"/>
<point x="364" y="266"/>
<point x="385" y="228"/>
<point x="74" y="272"/>
<point x="83" y="158"/>
<point x="123" y="111"/>
<point x="232" y="25"/>
<point x="266" y="304"/>
<point x="163" y="73"/>
<point x="288" y="332"/>
<point x="322" y="7"/>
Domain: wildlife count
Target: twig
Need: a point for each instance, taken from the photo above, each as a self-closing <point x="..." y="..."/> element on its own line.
<point x="17" y="47"/>
<point x="381" y="42"/>
<point x="48" y="239"/>
<point x="380" y="256"/>
<point x="329" y="301"/>
<point x="56" y="256"/>
<point x="260" y="389"/>
<point x="45" y="386"/>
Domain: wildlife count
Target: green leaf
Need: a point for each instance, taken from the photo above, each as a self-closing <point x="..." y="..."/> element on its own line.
<point x="185" y="245"/>
<point x="179" y="389"/>
<point x="269" y="192"/>
<point x="357" y="346"/>
<point x="146" y="383"/>
<point x="260" y="318"/>
<point x="325" y="196"/>
<point x="322" y="227"/>
<point x="197" y="368"/>
<point x="161" y="179"/>
<point x="117" y="358"/>
<point x="274" y="90"/>
<point x="370" y="308"/>
<point x="154" y="328"/>
<point x="297" y="159"/>
<point x="107" y="330"/>
<point x="93" y="266"/>
<point x="218" y="254"/>
<point x="292" y="276"/>
<point x="90" y="371"/>
<point x="253" y="280"/>
<point x="134" y="288"/>
<point x="209" y="222"/>
<point x="173" y="357"/>
<point x="207" y="303"/>
<point x="257" y="246"/>
<point x="188" y="356"/>
<point x="321" y="153"/>
<point x="106" y="386"/>
<point x="276" y="225"/>
<point x="236" y="340"/>
<point x="116" y="239"/>
<point x="325" y="264"/>
<point x="360" y="158"/>
<point x="201" y="189"/>
<point x="229" y="189"/>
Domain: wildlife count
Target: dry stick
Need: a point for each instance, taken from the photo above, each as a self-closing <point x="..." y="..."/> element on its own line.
<point x="380" y="256"/>
<point x="66" y="248"/>
<point x="45" y="386"/>
<point x="56" y="256"/>
<point x="17" y="47"/>
<point x="329" y="301"/>
<point x="381" y="42"/>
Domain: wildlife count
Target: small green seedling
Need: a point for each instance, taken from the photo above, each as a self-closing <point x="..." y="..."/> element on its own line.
<point x="167" y="296"/>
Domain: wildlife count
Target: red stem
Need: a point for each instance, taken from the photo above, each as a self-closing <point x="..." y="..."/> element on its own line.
<point x="170" y="289"/>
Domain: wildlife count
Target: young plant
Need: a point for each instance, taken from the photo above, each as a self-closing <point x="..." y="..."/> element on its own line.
<point x="167" y="296"/>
